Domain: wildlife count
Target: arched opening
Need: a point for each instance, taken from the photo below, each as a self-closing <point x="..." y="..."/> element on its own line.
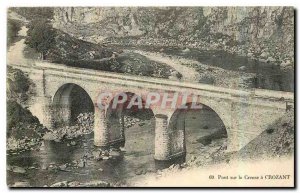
<point x="198" y="132"/>
<point x="132" y="128"/>
<point x="125" y="119"/>
<point x="69" y="102"/>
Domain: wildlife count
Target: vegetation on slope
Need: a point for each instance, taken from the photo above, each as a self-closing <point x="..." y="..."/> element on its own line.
<point x="59" y="47"/>
<point x="13" y="26"/>
<point x="23" y="129"/>
<point x="276" y="141"/>
<point x="32" y="13"/>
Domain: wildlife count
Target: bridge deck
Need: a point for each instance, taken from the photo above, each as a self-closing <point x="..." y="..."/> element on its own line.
<point x="54" y="68"/>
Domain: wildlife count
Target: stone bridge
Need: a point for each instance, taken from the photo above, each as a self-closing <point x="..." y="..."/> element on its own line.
<point x="244" y="113"/>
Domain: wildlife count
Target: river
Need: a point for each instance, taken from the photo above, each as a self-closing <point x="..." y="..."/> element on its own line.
<point x="137" y="158"/>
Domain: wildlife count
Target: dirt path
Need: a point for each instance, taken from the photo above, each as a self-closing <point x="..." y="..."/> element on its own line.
<point x="188" y="74"/>
<point x="15" y="53"/>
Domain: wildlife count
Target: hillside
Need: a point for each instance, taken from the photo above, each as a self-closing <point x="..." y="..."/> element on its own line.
<point x="276" y="141"/>
<point x="253" y="46"/>
<point x="265" y="33"/>
<point x="73" y="51"/>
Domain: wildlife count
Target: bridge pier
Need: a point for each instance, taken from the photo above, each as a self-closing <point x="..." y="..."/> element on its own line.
<point x="101" y="133"/>
<point x="122" y="130"/>
<point x="162" y="139"/>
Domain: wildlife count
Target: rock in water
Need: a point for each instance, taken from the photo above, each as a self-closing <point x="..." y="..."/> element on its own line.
<point x="105" y="157"/>
<point x="96" y="154"/>
<point x="73" y="184"/>
<point x="63" y="167"/>
<point x="100" y="169"/>
<point x="17" y="169"/>
<point x="242" y="68"/>
<point x="186" y="50"/>
<point x="98" y="183"/>
<point x="60" y="184"/>
<point x="21" y="184"/>
<point x="81" y="164"/>
<point x="114" y="154"/>
<point x="73" y="143"/>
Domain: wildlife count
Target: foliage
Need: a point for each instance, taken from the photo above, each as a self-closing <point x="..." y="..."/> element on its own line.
<point x="207" y="79"/>
<point x="17" y="116"/>
<point x="13" y="26"/>
<point x="20" y="122"/>
<point x="32" y="13"/>
<point x="41" y="36"/>
<point x="136" y="64"/>
<point x="19" y="86"/>
<point x="68" y="47"/>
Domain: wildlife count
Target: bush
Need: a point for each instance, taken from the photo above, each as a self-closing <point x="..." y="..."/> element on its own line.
<point x="136" y="64"/>
<point x="18" y="85"/>
<point x="17" y="116"/>
<point x="13" y="26"/>
<point x="40" y="36"/>
<point x="207" y="79"/>
<point x="32" y="13"/>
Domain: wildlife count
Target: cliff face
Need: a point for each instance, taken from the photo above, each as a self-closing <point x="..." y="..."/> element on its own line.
<point x="262" y="32"/>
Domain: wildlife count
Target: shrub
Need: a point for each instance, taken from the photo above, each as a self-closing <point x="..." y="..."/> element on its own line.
<point x="207" y="79"/>
<point x="18" y="85"/>
<point x="13" y="26"/>
<point x="32" y="13"/>
<point x="17" y="116"/>
<point x="41" y="37"/>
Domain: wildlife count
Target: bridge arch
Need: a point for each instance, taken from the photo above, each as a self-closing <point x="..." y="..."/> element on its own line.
<point x="188" y="126"/>
<point x="68" y="102"/>
<point x="122" y="116"/>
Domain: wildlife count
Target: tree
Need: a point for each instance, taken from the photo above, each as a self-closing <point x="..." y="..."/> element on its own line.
<point x="19" y="86"/>
<point x="13" y="26"/>
<point x="41" y="37"/>
<point x="31" y="13"/>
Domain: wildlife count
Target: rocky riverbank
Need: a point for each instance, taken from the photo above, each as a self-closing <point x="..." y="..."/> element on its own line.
<point x="77" y="138"/>
<point x="276" y="142"/>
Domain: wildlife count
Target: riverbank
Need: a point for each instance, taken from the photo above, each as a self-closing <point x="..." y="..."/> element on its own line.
<point x="64" y="159"/>
<point x="272" y="150"/>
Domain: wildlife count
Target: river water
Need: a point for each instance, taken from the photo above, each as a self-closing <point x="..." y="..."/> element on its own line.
<point x="137" y="158"/>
